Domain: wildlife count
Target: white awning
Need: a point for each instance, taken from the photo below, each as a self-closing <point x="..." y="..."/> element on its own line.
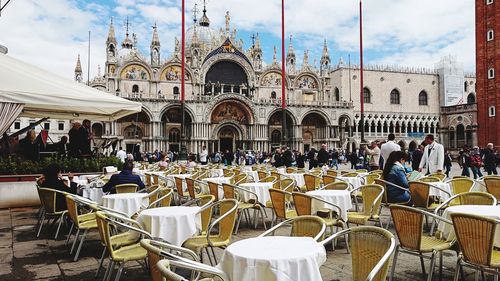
<point x="45" y="94"/>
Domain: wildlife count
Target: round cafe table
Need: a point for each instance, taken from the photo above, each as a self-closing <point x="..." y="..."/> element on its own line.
<point x="128" y="203"/>
<point x="354" y="181"/>
<point x="172" y="177"/>
<point x="298" y="177"/>
<point x="481" y="210"/>
<point x="259" y="188"/>
<point x="273" y="258"/>
<point x="172" y="224"/>
<point x="94" y="194"/>
<point x="219" y="180"/>
<point x="341" y="198"/>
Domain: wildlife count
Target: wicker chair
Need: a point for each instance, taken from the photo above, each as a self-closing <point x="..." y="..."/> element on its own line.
<point x="48" y="199"/>
<point x="385" y="200"/>
<point x="241" y="178"/>
<point x="332" y="173"/>
<point x="492" y="184"/>
<point x="262" y="174"/>
<point x="180" y="190"/>
<point x="327" y="179"/>
<point x="290" y="170"/>
<point x="166" y="266"/>
<point x="205" y="202"/>
<point x="350" y="175"/>
<point x="371" y="249"/>
<point x="408" y="223"/>
<point x="281" y="206"/>
<point x="370" y="178"/>
<point x="118" y="255"/>
<point x="440" y="176"/>
<point x="420" y="195"/>
<point x="126" y="188"/>
<point x="430" y="179"/>
<point x="330" y="215"/>
<point x="244" y="207"/>
<point x="226" y="221"/>
<point x="312" y="182"/>
<point x="193" y="191"/>
<point x="338" y="185"/>
<point x="475" y="236"/>
<point x="83" y="222"/>
<point x="276" y="175"/>
<point x="164" y="198"/>
<point x="372" y="198"/>
<point x="303" y="226"/>
<point x="269" y="179"/>
<point x="158" y="251"/>
<point x="460" y="185"/>
<point x="213" y="189"/>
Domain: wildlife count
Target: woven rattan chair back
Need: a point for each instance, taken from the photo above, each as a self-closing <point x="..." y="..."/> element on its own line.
<point x="126" y="188"/>
<point x="155" y="179"/>
<point x="229" y="192"/>
<point x="153" y="259"/>
<point x="440" y="176"/>
<point x="339" y="185"/>
<point x="384" y="186"/>
<point x="370" y="178"/>
<point x="240" y="178"/>
<point x="72" y="210"/>
<point x="276" y="175"/>
<point x="430" y="179"/>
<point x="368" y="245"/>
<point x="475" y="235"/>
<point x="307" y="226"/>
<point x="213" y="188"/>
<point x="408" y="224"/>
<point x="473" y="198"/>
<point x="350" y="175"/>
<point x="291" y="170"/>
<point x="493" y="185"/>
<point x="419" y="193"/>
<point x="190" y="187"/>
<point x="278" y="198"/>
<point x="269" y="179"/>
<point x="206" y="215"/>
<point x="303" y="204"/>
<point x="262" y="174"/>
<point x="178" y="186"/>
<point x="461" y="185"/>
<point x="226" y="225"/>
<point x="332" y="173"/>
<point x="327" y="179"/>
<point x="286" y="184"/>
<point x="311" y="181"/>
<point x="48" y="199"/>
<point x="370" y="195"/>
<point x="105" y="231"/>
<point x="165" y="201"/>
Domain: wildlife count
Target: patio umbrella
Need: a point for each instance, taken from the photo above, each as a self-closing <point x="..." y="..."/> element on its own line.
<point x="29" y="91"/>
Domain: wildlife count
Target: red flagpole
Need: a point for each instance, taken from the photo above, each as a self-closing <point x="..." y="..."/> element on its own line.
<point x="183" y="39"/>
<point x="361" y="91"/>
<point x="283" y="77"/>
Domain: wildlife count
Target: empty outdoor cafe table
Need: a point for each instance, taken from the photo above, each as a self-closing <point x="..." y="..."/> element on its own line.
<point x="341" y="198"/>
<point x="480" y="210"/>
<point x="128" y="203"/>
<point x="273" y="258"/>
<point x="439" y="192"/>
<point x="172" y="224"/>
<point x="259" y="188"/>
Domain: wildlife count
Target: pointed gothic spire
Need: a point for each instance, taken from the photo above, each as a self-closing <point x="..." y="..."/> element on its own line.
<point x="111" y="34"/>
<point x="305" y="61"/>
<point x="257" y="42"/>
<point x="127" y="42"/>
<point x="204" y="21"/>
<point x="78" y="67"/>
<point x="155" y="41"/>
<point x="325" y="51"/>
<point x="275" y="60"/>
<point x="290" y="46"/>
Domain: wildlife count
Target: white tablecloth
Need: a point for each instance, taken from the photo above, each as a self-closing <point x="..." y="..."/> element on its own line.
<point x="172" y="180"/>
<point x="220" y="180"/>
<point x="260" y="188"/>
<point x="481" y="210"/>
<point x="281" y="170"/>
<point x="341" y="198"/>
<point x="354" y="181"/>
<point x="128" y="203"/>
<point x="299" y="178"/>
<point x="273" y="258"/>
<point x="253" y="174"/>
<point x="440" y="193"/>
<point x="94" y="194"/>
<point x="479" y="186"/>
<point x="172" y="224"/>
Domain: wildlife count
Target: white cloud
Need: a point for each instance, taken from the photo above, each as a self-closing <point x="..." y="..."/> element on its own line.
<point x="51" y="33"/>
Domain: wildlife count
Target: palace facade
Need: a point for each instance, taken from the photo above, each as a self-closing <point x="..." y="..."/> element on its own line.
<point x="232" y="97"/>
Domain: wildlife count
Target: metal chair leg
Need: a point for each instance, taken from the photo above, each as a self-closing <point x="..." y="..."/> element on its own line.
<point x="440" y="265"/>
<point x="394" y="260"/>
<point x="213" y="252"/>
<point x="422" y="264"/>
<point x="457" y="271"/>
<point x="41" y="225"/>
<point x="80" y="246"/>
<point x="431" y="268"/>
<point x="101" y="261"/>
<point x="74" y="241"/>
<point x="109" y="271"/>
<point x="70" y="232"/>
<point x="119" y="273"/>
<point x="263" y="220"/>
<point x="61" y="219"/>
<point x="208" y="254"/>
<point x="238" y="222"/>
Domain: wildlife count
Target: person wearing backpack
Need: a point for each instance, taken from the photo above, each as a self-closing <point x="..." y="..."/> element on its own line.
<point x="476" y="163"/>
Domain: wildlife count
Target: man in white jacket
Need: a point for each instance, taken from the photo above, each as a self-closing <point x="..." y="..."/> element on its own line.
<point x="433" y="158"/>
<point x="388" y="147"/>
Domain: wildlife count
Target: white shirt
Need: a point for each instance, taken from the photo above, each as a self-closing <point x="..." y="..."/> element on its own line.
<point x="203" y="155"/>
<point x="122" y="155"/>
<point x="387" y="148"/>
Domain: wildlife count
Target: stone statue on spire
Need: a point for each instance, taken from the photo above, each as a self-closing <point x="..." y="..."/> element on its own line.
<point x="228" y="18"/>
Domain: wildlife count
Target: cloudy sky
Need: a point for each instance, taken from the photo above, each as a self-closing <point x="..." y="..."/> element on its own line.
<point x="51" y="33"/>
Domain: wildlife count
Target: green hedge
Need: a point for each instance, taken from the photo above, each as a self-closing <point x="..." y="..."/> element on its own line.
<point x="14" y="166"/>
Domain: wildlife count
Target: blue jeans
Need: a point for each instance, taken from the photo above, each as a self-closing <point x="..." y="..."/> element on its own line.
<point x="335" y="163"/>
<point x="465" y="171"/>
<point x="477" y="172"/>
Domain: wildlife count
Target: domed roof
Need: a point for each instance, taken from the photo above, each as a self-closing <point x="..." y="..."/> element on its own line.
<point x="205" y="35"/>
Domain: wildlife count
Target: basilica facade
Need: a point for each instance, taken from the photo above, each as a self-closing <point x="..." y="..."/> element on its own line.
<point x="233" y="97"/>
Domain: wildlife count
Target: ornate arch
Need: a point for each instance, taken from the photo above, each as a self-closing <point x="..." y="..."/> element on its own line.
<point x="289" y="113"/>
<point x="189" y="111"/>
<point x="318" y="111"/>
<point x="263" y="82"/>
<point x="136" y="70"/>
<point x="231" y="110"/>
<point x="241" y="130"/>
<point x="349" y="119"/>
<point x="299" y="84"/>
<point x="243" y="63"/>
<point x="209" y="107"/>
<point x="170" y="72"/>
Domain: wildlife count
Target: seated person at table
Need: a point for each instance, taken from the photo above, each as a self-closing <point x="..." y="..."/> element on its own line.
<point x="394" y="172"/>
<point x="52" y="179"/>
<point x="165" y="161"/>
<point x="125" y="176"/>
